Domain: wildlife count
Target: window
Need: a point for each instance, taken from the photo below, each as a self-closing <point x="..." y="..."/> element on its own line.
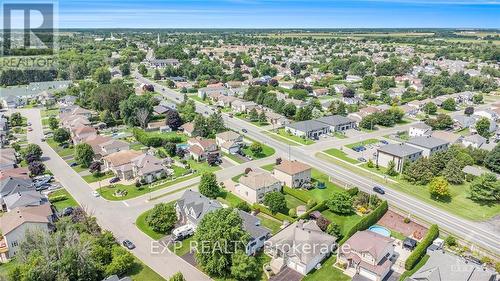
<point x="14" y="243"/>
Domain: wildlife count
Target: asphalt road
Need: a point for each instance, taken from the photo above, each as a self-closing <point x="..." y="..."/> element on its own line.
<point x="475" y="232"/>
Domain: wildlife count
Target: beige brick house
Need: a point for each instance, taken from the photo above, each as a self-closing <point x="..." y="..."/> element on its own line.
<point x="293" y="173"/>
<point x="253" y="186"/>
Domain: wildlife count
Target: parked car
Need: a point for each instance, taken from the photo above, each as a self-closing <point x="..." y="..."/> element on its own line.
<point x="64" y="145"/>
<point x="384" y="142"/>
<point x="361" y="159"/>
<point x="73" y="164"/>
<point x="30" y="129"/>
<point x="114" y="180"/>
<point x="379" y="190"/>
<point x="244" y="131"/>
<point x="42" y="187"/>
<point x="67" y="211"/>
<point x="128" y="244"/>
<point x="182" y="232"/>
<point x="95" y="193"/>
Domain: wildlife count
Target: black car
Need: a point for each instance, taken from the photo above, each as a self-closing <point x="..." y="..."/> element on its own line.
<point x="378" y="189"/>
<point x="113" y="180"/>
<point x="128" y="244"/>
<point x="67" y="211"/>
<point x="244" y="131"/>
<point x="74" y="164"/>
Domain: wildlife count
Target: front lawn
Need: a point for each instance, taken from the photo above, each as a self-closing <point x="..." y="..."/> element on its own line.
<point x="68" y="200"/>
<point x="91" y="178"/>
<point x="281" y="139"/>
<point x="266" y="152"/>
<point x="142" y="272"/>
<point x="303" y="141"/>
<point x="459" y="204"/>
<point x="142" y="224"/>
<point x="292" y="202"/>
<point x="244" y="117"/>
<point x="327" y="272"/>
<point x="63" y="152"/>
<point x="341" y="155"/>
<point x="234" y="158"/>
<point x="362" y="143"/>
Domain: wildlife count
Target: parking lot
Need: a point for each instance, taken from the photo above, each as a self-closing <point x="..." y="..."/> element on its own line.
<point x="366" y="152"/>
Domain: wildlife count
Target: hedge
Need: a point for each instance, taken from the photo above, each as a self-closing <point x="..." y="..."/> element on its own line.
<point x="421" y="249"/>
<point x="320" y="207"/>
<point x="266" y="211"/>
<point x="57" y="198"/>
<point x="296" y="193"/>
<point x="154" y="140"/>
<point x="367" y="221"/>
<point x="353" y="191"/>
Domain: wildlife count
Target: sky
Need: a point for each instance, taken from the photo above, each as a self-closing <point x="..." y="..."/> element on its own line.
<point x="278" y="13"/>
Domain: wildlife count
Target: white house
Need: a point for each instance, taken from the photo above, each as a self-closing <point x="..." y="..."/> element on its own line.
<point x="419" y="130"/>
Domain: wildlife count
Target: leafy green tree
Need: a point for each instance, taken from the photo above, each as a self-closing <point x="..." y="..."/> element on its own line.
<point x="439" y="188"/>
<point x="137" y="110"/>
<point x="275" y="201"/>
<point x="16" y="119"/>
<point x="485" y="188"/>
<point x="430" y="108"/>
<point x="304" y="113"/>
<point x="340" y="203"/>
<point x="449" y="104"/>
<point x="492" y="160"/>
<point x="391" y="169"/>
<point x="441" y="122"/>
<point x="483" y="127"/>
<point x="469" y="110"/>
<point x="36" y="168"/>
<point x="84" y="154"/>
<point x="162" y="217"/>
<point x="334" y="230"/>
<point x="157" y="75"/>
<point x="338" y="108"/>
<point x="419" y="171"/>
<point x="107" y="118"/>
<point x="209" y="186"/>
<point x="453" y="172"/>
<point x="32" y="152"/>
<point x="173" y="119"/>
<point x="256" y="148"/>
<point x="289" y="110"/>
<point x="477" y="98"/>
<point x="61" y="135"/>
<point x="53" y="122"/>
<point x="121" y="262"/>
<point x="125" y="69"/>
<point x="244" y="267"/>
<point x="253" y="115"/>
<point x="102" y="75"/>
<point x="219" y="235"/>
<point x="262" y="117"/>
<point x="142" y="69"/>
<point x="109" y="96"/>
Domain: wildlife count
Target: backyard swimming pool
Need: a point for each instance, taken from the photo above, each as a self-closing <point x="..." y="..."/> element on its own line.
<point x="380" y="230"/>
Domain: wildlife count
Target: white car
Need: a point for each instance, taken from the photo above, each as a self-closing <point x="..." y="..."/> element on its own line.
<point x="95" y="193"/>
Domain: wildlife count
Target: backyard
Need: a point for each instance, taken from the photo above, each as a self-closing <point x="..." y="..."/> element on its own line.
<point x="327" y="272"/>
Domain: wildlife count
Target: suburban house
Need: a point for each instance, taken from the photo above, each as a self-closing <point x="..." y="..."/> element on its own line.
<point x="11" y="185"/>
<point x="308" y="129"/>
<point x="188" y="128"/>
<point x="229" y="142"/>
<point x="399" y="153"/>
<point x="72" y="121"/>
<point x="486" y="113"/>
<point x="30" y="198"/>
<point x="20" y="172"/>
<point x="253" y="186"/>
<point x="8" y="159"/>
<point x="442" y="266"/>
<point x="419" y="129"/>
<point x="450" y="137"/>
<point x="320" y="92"/>
<point x="300" y="246"/>
<point x="130" y="164"/>
<point x="15" y="223"/>
<point x="337" y="123"/>
<point x="461" y="122"/>
<point x="200" y="148"/>
<point x="429" y="145"/>
<point x="369" y="254"/>
<point x="161" y="63"/>
<point x="103" y="145"/>
<point x="193" y="206"/>
<point x="293" y="173"/>
<point x="475" y="141"/>
<point x="205" y="92"/>
<point x="80" y="133"/>
<point x="242" y="106"/>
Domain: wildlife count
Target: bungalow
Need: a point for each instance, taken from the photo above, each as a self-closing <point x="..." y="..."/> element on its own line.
<point x="103" y="145"/>
<point x="21" y="172"/>
<point x="229" y="142"/>
<point x="419" y="129"/>
<point x="188" y="128"/>
<point x="362" y="113"/>
<point x="225" y="101"/>
<point x="200" y="148"/>
<point x="15" y="223"/>
<point x="130" y="164"/>
<point x="308" y="129"/>
<point x="339" y="88"/>
<point x="162" y="63"/>
<point x="489" y="114"/>
<point x="368" y="254"/>
<point x="429" y="145"/>
<point x="338" y="123"/>
<point x="301" y="246"/>
<point x="398" y="153"/>
<point x="241" y="106"/>
<point x="67" y="100"/>
<point x="475" y="141"/>
<point x="450" y="137"/>
<point x="253" y="186"/>
<point x="320" y="92"/>
<point x="30" y="198"/>
<point x="205" y="92"/>
<point x="8" y="159"/>
<point x="80" y="133"/>
<point x="461" y="122"/>
<point x="293" y="173"/>
<point x="11" y="185"/>
<point x="353" y="78"/>
<point x="73" y="121"/>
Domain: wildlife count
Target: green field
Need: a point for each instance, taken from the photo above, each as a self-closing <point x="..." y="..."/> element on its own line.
<point x="266" y="152"/>
<point x="63" y="152"/>
<point x="142" y="272"/>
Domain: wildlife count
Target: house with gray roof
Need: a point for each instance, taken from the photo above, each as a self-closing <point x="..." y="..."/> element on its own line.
<point x="258" y="233"/>
<point x="443" y="266"/>
<point x="461" y="122"/>
<point x="475" y="141"/>
<point x="308" y="129"/>
<point x="399" y="153"/>
<point x="428" y="144"/>
<point x="12" y="185"/>
<point x="29" y="198"/>
<point x="338" y="123"/>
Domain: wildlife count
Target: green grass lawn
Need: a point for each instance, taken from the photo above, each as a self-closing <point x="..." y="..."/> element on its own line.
<point x="142" y="272"/>
<point x="459" y="204"/>
<point x="300" y="140"/>
<point x="78" y="168"/>
<point x="281" y="139"/>
<point x="234" y="158"/>
<point x="63" y="152"/>
<point x="92" y="178"/>
<point x="266" y="152"/>
<point x="142" y="224"/>
<point x="327" y="272"/>
<point x="49" y="112"/>
<point x="341" y="155"/>
<point x="230" y="199"/>
<point x="68" y="202"/>
<point x="346" y="222"/>
<point x="256" y="123"/>
<point x="269" y="223"/>
<point x="181" y="248"/>
<point x="292" y="202"/>
<point x="362" y="143"/>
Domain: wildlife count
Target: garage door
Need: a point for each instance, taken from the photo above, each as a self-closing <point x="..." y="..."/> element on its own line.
<point x="368" y="274"/>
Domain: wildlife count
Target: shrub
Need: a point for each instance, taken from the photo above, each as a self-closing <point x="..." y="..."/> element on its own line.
<point x="311" y="203"/>
<point x="367" y="220"/>
<point x="421" y="248"/>
<point x="243" y="206"/>
<point x="296" y="193"/>
<point x="292" y="213"/>
<point x="57" y="198"/>
<point x="450" y="241"/>
<point x="353" y="191"/>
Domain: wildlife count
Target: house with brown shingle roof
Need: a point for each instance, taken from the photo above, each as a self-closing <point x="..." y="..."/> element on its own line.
<point x="229" y="141"/>
<point x="293" y="173"/>
<point x="15" y="223"/>
<point x="199" y="148"/>
<point x="253" y="186"/>
<point x="130" y="164"/>
<point x="188" y="128"/>
<point x="368" y="254"/>
<point x="104" y="145"/>
<point x="80" y="133"/>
